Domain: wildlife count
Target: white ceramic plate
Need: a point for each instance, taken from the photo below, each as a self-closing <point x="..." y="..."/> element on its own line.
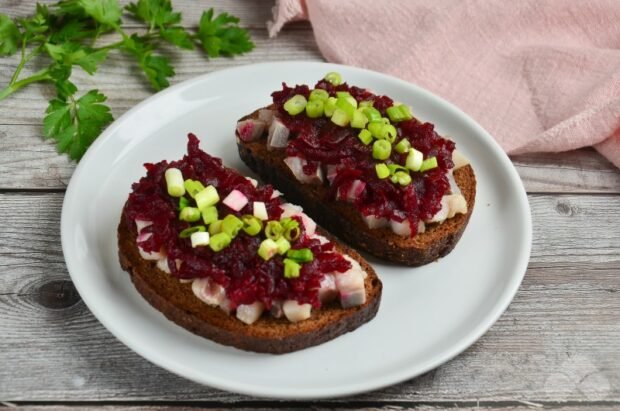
<point x="427" y="316"/>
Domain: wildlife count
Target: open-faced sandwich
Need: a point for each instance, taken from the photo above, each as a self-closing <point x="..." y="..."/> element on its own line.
<point x="364" y="167"/>
<point x="231" y="261"/>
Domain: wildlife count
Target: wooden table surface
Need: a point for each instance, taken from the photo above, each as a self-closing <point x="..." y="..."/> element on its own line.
<point x="557" y="345"/>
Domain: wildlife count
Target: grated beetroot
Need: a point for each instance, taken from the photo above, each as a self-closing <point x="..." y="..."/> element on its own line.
<point x="322" y="142"/>
<point x="246" y="277"/>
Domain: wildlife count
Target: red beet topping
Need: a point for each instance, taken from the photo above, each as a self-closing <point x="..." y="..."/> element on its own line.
<point x="246" y="277"/>
<point x="320" y="141"/>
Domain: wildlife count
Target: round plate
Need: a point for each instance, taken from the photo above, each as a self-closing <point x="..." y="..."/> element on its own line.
<point x="427" y="316"/>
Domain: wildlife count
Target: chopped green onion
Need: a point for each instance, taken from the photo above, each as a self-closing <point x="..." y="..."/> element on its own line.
<point x="401" y="178"/>
<point x="414" y="159"/>
<point x="343" y="94"/>
<point x="303" y="255"/>
<point x="267" y="249"/>
<point x="231" y="224"/>
<point x="359" y="120"/>
<point x="286" y="221"/>
<point x="274" y="230"/>
<point x="381" y="150"/>
<point x="183" y="202"/>
<point x="385" y="120"/>
<point x="399" y="113"/>
<point x="334" y="78"/>
<point x="207" y="197"/>
<point x="330" y="106"/>
<point x="372" y="114"/>
<point x="365" y="136"/>
<point x="292" y="233"/>
<point x="189" y="214"/>
<point x="199" y="238"/>
<point x="376" y="129"/>
<point x="340" y="118"/>
<point x="314" y="108"/>
<point x="382" y="171"/>
<point x="283" y="245"/>
<point x="428" y="164"/>
<point x="292" y="269"/>
<point x="389" y="133"/>
<point x="346" y="96"/>
<point x="396" y="167"/>
<point x="345" y="105"/>
<point x="174" y="182"/>
<point x="366" y="103"/>
<point x="219" y="241"/>
<point x="193" y="187"/>
<point x="209" y="214"/>
<point x="403" y="146"/>
<point x="319" y="94"/>
<point x="215" y="227"/>
<point x="191" y="230"/>
<point x="251" y="225"/>
<point x="295" y="104"/>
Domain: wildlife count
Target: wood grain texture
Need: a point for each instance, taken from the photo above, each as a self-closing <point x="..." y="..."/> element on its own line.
<point x="252" y="13"/>
<point x="124" y="85"/>
<point x="320" y="407"/>
<point x="556" y="342"/>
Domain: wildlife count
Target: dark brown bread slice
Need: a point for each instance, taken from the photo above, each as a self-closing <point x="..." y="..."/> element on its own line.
<point x="344" y="221"/>
<point x="267" y="335"/>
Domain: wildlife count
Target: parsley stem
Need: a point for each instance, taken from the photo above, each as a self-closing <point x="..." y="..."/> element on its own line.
<point x="24" y="59"/>
<point x="41" y="75"/>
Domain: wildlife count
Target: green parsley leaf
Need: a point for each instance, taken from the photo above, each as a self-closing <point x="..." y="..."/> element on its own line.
<point x="60" y="76"/>
<point x="178" y="36"/>
<point x="10" y="37"/>
<point x="75" y="124"/>
<point x="222" y="36"/>
<point x="104" y="11"/>
<point x="71" y="53"/>
<point x="155" y="13"/>
<point x="156" y="68"/>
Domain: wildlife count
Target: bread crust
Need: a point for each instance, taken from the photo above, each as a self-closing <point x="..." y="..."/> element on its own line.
<point x="267" y="335"/>
<point x="343" y="220"/>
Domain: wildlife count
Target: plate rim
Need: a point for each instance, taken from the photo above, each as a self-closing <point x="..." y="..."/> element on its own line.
<point x="506" y="297"/>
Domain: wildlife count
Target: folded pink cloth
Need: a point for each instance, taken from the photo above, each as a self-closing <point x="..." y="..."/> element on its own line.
<point x="539" y="75"/>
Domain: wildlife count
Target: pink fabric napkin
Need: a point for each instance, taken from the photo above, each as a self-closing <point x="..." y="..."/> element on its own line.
<point x="539" y="75"/>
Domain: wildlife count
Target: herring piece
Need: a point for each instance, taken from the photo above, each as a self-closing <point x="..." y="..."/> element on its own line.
<point x="259" y="209"/>
<point x="421" y="227"/>
<point x="236" y="200"/>
<point x="142" y="237"/>
<point x="153" y="255"/>
<point x="266" y="115"/>
<point x="208" y="291"/>
<point x="350" y="285"/>
<point x="354" y="192"/>
<point x="250" y="129"/>
<point x="140" y="224"/>
<point x="456" y="205"/>
<point x="252" y="181"/>
<point x="296" y="164"/>
<point x="443" y="212"/>
<point x="372" y="221"/>
<point x="327" y="289"/>
<point x="401" y="228"/>
<point x="249" y="313"/>
<point x="296" y="312"/>
<point x="278" y="134"/>
<point x="162" y="264"/>
<point x="459" y="160"/>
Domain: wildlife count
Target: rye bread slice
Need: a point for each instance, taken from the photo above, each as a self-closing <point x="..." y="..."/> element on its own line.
<point x="343" y="219"/>
<point x="267" y="335"/>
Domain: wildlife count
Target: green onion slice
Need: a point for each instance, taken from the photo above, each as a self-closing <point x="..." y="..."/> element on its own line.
<point x="191" y="230"/>
<point x="295" y="104"/>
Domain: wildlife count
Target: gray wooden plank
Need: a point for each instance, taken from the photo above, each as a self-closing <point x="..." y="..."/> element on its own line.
<point x="120" y="80"/>
<point x="252" y="13"/>
<point x="318" y="407"/>
<point x="556" y="342"/>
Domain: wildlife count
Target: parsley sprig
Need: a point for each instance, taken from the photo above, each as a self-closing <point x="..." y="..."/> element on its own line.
<point x="67" y="34"/>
